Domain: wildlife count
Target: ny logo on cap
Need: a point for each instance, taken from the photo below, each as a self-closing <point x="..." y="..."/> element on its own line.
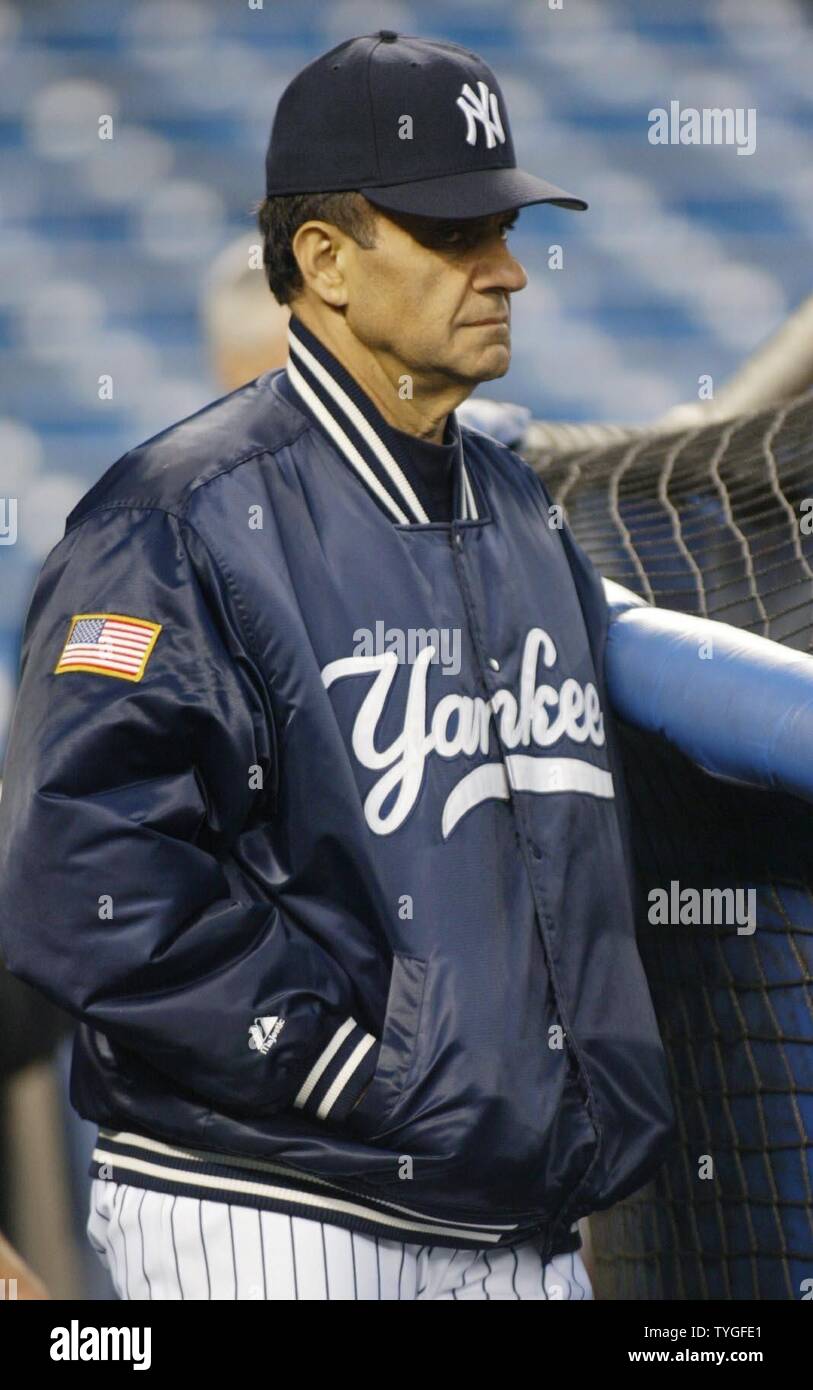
<point x="482" y="108"/>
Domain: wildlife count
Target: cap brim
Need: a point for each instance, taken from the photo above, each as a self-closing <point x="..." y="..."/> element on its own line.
<point x="477" y="193"/>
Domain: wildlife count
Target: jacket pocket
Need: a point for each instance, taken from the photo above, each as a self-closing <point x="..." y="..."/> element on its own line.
<point x="399" y="1048"/>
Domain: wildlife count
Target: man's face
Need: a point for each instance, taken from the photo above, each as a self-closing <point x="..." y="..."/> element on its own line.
<point x="435" y="296"/>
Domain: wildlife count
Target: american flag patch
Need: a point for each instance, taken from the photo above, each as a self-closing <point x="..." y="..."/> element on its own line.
<point x="109" y="644"/>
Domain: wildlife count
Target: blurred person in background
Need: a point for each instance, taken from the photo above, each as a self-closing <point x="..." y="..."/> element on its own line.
<point x="246" y="329"/>
<point x="30" y="1028"/>
<point x="17" y="1281"/>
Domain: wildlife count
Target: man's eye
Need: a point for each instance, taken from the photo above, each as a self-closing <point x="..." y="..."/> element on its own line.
<point x="453" y="236"/>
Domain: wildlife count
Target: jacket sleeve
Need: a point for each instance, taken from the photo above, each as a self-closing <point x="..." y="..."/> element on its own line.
<point x="123" y="796"/>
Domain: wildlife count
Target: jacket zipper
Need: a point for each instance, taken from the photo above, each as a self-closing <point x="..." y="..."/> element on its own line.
<point x="457" y="548"/>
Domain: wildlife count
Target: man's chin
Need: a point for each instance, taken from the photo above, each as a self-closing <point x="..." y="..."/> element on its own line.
<point x="495" y="363"/>
<point x="470" y="370"/>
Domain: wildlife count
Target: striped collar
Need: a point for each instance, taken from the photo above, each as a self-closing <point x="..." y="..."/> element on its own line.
<point x="372" y="448"/>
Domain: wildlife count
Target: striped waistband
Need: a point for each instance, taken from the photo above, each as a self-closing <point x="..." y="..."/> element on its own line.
<point x="149" y="1163"/>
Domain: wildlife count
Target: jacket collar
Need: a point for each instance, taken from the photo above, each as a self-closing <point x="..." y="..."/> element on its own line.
<point x="367" y="442"/>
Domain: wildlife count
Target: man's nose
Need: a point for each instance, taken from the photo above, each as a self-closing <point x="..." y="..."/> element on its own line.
<point x="498" y="269"/>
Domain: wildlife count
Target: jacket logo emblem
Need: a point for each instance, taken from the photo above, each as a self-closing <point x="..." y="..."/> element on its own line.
<point x="263" y="1033"/>
<point x="460" y="725"/>
<point x="481" y="107"/>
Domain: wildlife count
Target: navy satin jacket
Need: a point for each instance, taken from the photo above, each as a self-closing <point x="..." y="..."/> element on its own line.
<point x="313" y="817"/>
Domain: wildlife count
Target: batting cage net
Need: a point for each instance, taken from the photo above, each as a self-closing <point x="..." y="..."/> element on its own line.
<point x="714" y="520"/>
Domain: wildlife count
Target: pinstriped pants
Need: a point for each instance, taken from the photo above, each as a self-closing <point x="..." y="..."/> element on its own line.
<point x="162" y="1247"/>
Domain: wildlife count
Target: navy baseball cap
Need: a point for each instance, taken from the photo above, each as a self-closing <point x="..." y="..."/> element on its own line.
<point x="416" y="125"/>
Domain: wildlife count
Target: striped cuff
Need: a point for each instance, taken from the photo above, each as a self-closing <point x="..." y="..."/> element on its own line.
<point x="340" y="1073"/>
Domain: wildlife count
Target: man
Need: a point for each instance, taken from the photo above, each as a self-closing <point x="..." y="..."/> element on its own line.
<point x="313" y="811"/>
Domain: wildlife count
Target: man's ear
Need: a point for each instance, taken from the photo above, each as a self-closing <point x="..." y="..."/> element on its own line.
<point x="317" y="248"/>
